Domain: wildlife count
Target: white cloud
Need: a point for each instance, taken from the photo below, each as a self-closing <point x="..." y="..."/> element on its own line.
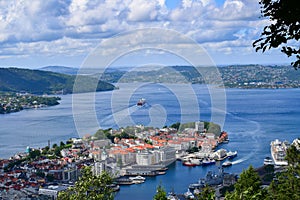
<point x="74" y="26"/>
<point x="141" y="10"/>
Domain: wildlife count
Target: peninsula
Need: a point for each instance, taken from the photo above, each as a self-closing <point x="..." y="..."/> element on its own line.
<point x="15" y="102"/>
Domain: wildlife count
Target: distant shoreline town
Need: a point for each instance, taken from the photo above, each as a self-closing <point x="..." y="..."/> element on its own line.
<point x="15" y="102"/>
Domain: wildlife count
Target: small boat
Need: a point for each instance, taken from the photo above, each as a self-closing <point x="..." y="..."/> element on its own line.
<point x="208" y="161"/>
<point x="161" y="172"/>
<point x="189" y="164"/>
<point x="137" y="178"/>
<point x="196" y="161"/>
<point x="227" y="164"/>
<point x="141" y="102"/>
<point x="231" y="154"/>
<point x="268" y="161"/>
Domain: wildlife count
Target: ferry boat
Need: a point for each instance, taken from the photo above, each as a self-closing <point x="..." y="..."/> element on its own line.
<point x="278" y="152"/>
<point x="141" y="102"/>
<point x="231" y="154"/>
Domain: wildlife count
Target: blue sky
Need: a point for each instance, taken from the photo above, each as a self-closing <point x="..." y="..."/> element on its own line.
<point x="39" y="33"/>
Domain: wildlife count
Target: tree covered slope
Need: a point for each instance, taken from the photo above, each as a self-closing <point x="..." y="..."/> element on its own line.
<point x="41" y="82"/>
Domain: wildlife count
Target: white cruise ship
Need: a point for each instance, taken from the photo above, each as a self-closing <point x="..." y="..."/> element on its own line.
<point x="278" y="152"/>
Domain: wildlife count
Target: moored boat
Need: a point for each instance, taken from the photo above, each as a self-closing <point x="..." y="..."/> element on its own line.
<point x="208" y="161"/>
<point x="189" y="164"/>
<point x="137" y="178"/>
<point x="278" y="152"/>
<point x="268" y="161"/>
<point x="231" y="154"/>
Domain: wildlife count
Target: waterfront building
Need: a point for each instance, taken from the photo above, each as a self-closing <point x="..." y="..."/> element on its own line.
<point x="123" y="156"/>
<point x="167" y="155"/>
<point x="146" y="158"/>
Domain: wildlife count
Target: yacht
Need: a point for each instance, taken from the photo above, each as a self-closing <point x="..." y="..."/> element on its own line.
<point x="137" y="178"/>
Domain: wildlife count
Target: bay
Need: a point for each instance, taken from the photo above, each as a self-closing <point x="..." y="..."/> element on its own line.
<point x="253" y="118"/>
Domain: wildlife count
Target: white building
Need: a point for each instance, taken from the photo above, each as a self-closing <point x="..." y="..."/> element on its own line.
<point x="147" y="158"/>
<point x="199" y="126"/>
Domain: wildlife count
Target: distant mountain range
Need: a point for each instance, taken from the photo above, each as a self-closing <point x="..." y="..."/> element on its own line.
<point x="55" y="79"/>
<point x="46" y="82"/>
<point x="61" y="69"/>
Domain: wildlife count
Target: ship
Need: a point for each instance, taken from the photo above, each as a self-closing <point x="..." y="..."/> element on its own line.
<point x="141" y="102"/>
<point x="278" y="152"/>
<point x="231" y="154"/>
<point x="210" y="179"/>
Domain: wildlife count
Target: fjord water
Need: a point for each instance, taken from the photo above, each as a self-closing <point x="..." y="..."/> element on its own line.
<point x="254" y="117"/>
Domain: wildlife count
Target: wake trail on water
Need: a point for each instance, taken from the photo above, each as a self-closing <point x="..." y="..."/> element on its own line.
<point x="156" y="113"/>
<point x="120" y="116"/>
<point x="255" y="134"/>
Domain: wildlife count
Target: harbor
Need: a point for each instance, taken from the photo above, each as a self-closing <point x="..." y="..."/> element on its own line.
<point x="250" y="132"/>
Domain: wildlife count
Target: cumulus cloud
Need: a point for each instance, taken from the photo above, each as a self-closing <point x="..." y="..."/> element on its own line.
<point x="72" y="26"/>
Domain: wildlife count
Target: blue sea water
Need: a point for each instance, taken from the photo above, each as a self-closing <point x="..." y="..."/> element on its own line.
<point x="252" y="117"/>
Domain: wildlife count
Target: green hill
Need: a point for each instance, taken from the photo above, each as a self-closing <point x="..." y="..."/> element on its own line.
<point x="41" y="82"/>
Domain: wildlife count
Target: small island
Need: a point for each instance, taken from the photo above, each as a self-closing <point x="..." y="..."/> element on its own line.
<point x="15" y="102"/>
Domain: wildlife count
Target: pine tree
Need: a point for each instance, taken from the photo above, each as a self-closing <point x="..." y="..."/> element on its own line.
<point x="89" y="187"/>
<point x="248" y="186"/>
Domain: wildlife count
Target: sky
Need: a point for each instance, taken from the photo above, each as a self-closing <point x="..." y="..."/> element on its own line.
<point x="38" y="33"/>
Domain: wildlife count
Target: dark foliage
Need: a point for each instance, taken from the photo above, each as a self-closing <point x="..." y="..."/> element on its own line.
<point x="283" y="30"/>
<point x="40" y="82"/>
